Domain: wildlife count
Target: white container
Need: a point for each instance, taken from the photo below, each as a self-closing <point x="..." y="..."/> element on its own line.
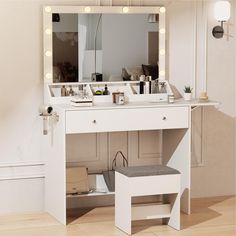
<point x="187" y="96"/>
<point x="171" y="98"/>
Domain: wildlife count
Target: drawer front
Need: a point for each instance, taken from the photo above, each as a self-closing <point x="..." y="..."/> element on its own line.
<point x="92" y="121"/>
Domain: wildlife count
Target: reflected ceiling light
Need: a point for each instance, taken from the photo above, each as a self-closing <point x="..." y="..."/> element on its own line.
<point x="162" y="31"/>
<point x="48" y="31"/>
<point x="125" y="9"/>
<point x="162" y="10"/>
<point x="152" y="18"/>
<point x="162" y="52"/>
<point x="48" y="76"/>
<point x="48" y="53"/>
<point x="48" y="9"/>
<point x="222" y="14"/>
<point x="87" y="9"/>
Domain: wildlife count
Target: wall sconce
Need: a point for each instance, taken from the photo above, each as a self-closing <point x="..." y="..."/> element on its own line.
<point x="222" y="14"/>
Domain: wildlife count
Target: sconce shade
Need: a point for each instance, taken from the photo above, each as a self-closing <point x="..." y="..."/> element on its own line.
<point x="222" y="10"/>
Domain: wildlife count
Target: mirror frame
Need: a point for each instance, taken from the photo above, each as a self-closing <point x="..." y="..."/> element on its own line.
<point x="47" y="30"/>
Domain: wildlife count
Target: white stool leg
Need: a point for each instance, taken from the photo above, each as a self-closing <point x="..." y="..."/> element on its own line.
<point x="174" y="220"/>
<point x="122" y="203"/>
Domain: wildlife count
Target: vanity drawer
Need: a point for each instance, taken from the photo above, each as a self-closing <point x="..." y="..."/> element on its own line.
<point x="92" y="121"/>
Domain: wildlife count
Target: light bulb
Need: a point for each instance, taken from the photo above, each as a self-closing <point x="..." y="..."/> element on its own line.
<point x="162" y="10"/>
<point x="48" y="76"/>
<point x="125" y="9"/>
<point x="222" y="11"/>
<point x="48" y="53"/>
<point x="162" y="73"/>
<point x="48" y="9"/>
<point x="162" y="52"/>
<point x="87" y="9"/>
<point x="162" y="31"/>
<point x="48" y="31"/>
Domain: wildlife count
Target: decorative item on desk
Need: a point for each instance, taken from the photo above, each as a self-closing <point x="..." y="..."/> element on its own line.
<point x="148" y="89"/>
<point x="82" y="100"/>
<point x="163" y="87"/>
<point x="171" y="98"/>
<point x="106" y="91"/>
<point x="141" y="84"/>
<point x="71" y="91"/>
<point x="63" y="91"/>
<point x="114" y="96"/>
<point x="187" y="93"/>
<point x="155" y="86"/>
<point x="98" y="92"/>
<point x="203" y="97"/>
<point x="120" y="98"/>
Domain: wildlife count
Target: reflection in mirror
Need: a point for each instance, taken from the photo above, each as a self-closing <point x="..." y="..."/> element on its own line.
<point x="108" y="47"/>
<point x="65" y="48"/>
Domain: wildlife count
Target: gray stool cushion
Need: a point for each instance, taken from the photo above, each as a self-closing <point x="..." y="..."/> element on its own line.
<point x="136" y="171"/>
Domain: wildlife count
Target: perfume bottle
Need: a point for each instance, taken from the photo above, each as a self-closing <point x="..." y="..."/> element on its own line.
<point x="141" y="84"/>
<point x="155" y="87"/>
<point x="106" y="91"/>
<point x="71" y="92"/>
<point x="63" y="91"/>
<point x="163" y="87"/>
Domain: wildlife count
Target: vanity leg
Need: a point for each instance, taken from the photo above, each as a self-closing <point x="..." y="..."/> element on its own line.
<point x="177" y="154"/>
<point x="55" y="170"/>
<point x="123" y="218"/>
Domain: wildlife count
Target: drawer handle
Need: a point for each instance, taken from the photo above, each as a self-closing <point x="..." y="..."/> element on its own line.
<point x="94" y="121"/>
<point x="164" y="118"/>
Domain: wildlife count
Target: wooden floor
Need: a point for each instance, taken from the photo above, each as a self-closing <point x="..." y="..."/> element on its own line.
<point x="210" y="216"/>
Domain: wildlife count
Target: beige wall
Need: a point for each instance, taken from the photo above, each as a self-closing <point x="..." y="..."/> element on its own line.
<point x="21" y="94"/>
<point x="215" y="173"/>
<point x="218" y="174"/>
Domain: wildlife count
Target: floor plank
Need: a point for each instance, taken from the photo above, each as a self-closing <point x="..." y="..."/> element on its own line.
<point x="210" y="216"/>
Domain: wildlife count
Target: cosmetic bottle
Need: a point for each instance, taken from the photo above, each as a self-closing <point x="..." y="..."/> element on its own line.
<point x="106" y="91"/>
<point x="163" y="87"/>
<point x="155" y="87"/>
<point x="149" y="78"/>
<point x="63" y="91"/>
<point x="146" y="87"/>
<point x="71" y="92"/>
<point x="141" y="84"/>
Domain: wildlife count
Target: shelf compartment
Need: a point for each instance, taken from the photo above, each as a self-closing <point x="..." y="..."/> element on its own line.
<point x="96" y="182"/>
<point x="150" y="211"/>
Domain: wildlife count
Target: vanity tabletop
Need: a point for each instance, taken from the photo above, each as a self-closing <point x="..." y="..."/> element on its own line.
<point x="130" y="105"/>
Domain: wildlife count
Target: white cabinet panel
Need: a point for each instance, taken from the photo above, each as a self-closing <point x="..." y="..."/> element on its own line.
<point x="88" y="150"/>
<point x="126" y="119"/>
<point x="145" y="147"/>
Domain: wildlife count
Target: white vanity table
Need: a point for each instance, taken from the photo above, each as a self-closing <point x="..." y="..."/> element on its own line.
<point x="173" y="119"/>
<point x="141" y="112"/>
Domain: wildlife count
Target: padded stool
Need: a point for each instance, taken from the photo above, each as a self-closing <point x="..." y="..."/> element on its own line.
<point x="144" y="181"/>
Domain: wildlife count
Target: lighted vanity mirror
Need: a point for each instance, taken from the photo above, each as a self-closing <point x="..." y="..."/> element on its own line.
<point x="105" y="44"/>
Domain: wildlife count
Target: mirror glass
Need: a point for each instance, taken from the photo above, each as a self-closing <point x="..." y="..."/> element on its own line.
<point x="104" y="47"/>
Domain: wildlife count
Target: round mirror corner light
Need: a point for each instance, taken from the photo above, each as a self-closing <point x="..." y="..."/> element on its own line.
<point x="48" y="9"/>
<point x="162" y="52"/>
<point x="87" y="9"/>
<point x="125" y="9"/>
<point x="162" y="10"/>
<point x="48" y="53"/>
<point x="48" y="76"/>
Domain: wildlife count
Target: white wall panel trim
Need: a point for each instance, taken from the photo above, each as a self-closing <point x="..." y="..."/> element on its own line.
<point x="21" y="170"/>
<point x="18" y="164"/>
